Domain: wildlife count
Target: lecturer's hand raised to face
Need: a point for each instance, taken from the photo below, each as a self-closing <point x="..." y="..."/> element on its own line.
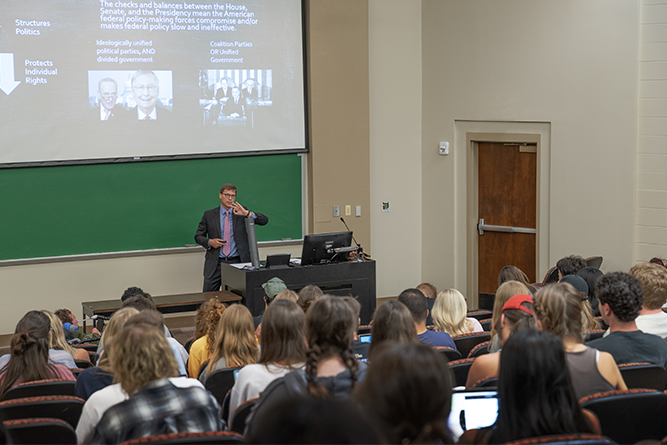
<point x="239" y="210"/>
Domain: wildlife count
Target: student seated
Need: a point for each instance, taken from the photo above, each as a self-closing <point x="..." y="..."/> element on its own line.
<point x="143" y="361"/>
<point x="517" y="314"/>
<point x="621" y="300"/>
<point x="29" y="357"/>
<point x="416" y="303"/>
<point x="234" y="341"/>
<point x="392" y="322"/>
<point x="559" y="310"/>
<point x="407" y="393"/>
<point x="535" y="393"/>
<point x="449" y="314"/>
<point x="283" y="350"/>
<point x="331" y="369"/>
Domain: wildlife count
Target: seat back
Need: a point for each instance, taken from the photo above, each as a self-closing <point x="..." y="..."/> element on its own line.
<point x="465" y="342"/>
<point x="84" y="364"/>
<point x="364" y="329"/>
<point x="644" y="375"/>
<point x="450" y="353"/>
<point x="593" y="334"/>
<point x="67" y="408"/>
<point x="479" y="349"/>
<point x="459" y="370"/>
<point x="206" y="437"/>
<point x="628" y="416"/>
<point x="486" y="382"/>
<point x="188" y="344"/>
<point x="202" y="367"/>
<point x="569" y="439"/>
<point x="479" y="314"/>
<point x="220" y="381"/>
<point x="39" y="430"/>
<point x="486" y="324"/>
<point x="241" y="414"/>
<point x="50" y="387"/>
<point x="551" y="276"/>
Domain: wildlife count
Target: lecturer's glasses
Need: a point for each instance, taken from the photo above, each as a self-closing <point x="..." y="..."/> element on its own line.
<point x="228" y="196"/>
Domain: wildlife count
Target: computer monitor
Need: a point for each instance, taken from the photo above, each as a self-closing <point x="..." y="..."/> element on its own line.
<point x="320" y="248"/>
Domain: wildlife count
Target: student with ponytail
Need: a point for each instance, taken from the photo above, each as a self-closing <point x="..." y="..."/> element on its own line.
<point x="29" y="359"/>
<point x="331" y="369"/>
<point x="559" y="310"/>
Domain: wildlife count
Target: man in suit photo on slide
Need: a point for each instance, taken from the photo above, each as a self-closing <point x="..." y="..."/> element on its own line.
<point x="107" y="91"/>
<point x="222" y="232"/>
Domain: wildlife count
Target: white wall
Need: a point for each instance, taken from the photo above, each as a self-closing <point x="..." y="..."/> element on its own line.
<point x="651" y="220"/>
<point x="569" y="63"/>
<point x="395" y="61"/>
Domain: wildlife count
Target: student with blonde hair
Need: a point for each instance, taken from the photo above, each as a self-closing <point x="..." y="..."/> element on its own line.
<point x="93" y="379"/>
<point x="157" y="402"/>
<point x="234" y="341"/>
<point x="57" y="338"/>
<point x="559" y="310"/>
<point x="449" y="314"/>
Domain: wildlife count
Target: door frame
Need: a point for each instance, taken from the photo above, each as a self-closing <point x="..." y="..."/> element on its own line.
<point x="473" y="132"/>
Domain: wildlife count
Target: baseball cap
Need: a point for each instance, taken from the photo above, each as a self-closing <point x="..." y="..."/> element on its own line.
<point x="273" y="287"/>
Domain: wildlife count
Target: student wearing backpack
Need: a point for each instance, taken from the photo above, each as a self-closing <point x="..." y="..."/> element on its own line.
<point x="331" y="369"/>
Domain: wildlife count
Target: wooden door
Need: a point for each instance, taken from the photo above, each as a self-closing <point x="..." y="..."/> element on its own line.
<point x="507" y="195"/>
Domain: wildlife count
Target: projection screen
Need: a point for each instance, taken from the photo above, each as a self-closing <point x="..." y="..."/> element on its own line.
<point x="113" y="80"/>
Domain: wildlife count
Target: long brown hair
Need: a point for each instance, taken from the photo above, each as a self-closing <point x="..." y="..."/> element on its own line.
<point x="112" y="328"/>
<point x="29" y="350"/>
<point x="392" y="321"/>
<point x="235" y="338"/>
<point x="282" y="337"/>
<point x="330" y="328"/>
<point x="407" y="391"/>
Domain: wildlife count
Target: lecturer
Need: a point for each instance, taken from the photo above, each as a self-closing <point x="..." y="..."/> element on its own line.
<point x="222" y="232"/>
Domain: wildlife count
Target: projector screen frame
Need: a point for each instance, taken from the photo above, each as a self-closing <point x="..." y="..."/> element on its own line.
<point x="205" y="155"/>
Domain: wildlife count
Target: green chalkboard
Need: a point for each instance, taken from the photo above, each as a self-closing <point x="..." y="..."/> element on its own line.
<point x="82" y="209"/>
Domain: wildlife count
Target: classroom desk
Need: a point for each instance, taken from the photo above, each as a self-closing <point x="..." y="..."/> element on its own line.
<point x="166" y="304"/>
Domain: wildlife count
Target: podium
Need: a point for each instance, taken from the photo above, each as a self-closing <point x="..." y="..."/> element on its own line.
<point x="342" y="279"/>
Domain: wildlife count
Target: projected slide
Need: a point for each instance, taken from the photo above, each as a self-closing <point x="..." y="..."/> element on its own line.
<point x="103" y="80"/>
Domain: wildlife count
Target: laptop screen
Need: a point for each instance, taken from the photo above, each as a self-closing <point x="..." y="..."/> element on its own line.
<point x="472" y="409"/>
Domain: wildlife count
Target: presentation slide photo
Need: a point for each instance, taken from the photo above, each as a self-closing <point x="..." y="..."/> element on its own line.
<point x="80" y="78"/>
<point x="234" y="98"/>
<point x="122" y="96"/>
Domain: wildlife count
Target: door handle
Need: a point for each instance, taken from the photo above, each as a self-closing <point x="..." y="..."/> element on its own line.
<point x="481" y="227"/>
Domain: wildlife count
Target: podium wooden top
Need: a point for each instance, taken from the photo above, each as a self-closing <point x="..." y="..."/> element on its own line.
<point x="164" y="304"/>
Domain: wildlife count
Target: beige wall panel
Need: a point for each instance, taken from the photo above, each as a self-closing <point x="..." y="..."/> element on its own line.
<point x="569" y="63"/>
<point x="395" y="108"/>
<point x="339" y="129"/>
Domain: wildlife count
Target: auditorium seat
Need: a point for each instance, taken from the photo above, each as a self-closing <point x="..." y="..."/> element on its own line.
<point x="220" y="381"/>
<point x="569" y="439"/>
<point x="39" y="430"/>
<point x="628" y="416"/>
<point x="486" y="324"/>
<point x="465" y="342"/>
<point x="479" y="349"/>
<point x="593" y="334"/>
<point x="479" y="314"/>
<point x="67" y="408"/>
<point x="486" y="382"/>
<point x="241" y="414"/>
<point x="450" y="353"/>
<point x="459" y="370"/>
<point x="206" y="437"/>
<point x="50" y="387"/>
<point x="644" y="375"/>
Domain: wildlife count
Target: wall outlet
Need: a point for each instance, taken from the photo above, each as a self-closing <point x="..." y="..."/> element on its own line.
<point x="336" y="211"/>
<point x="348" y="210"/>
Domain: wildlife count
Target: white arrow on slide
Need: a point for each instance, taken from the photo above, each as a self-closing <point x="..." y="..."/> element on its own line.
<point x="7" y="82"/>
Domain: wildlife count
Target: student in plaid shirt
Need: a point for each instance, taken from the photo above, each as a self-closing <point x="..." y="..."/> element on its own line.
<point x="143" y="362"/>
